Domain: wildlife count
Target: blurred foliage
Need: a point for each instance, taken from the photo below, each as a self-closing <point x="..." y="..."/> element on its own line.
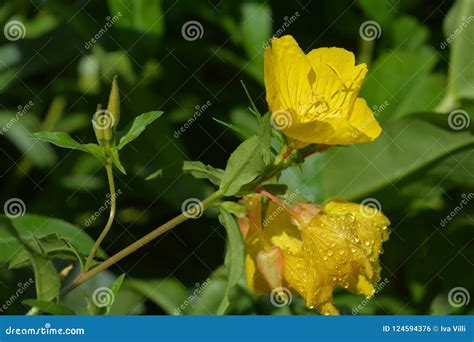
<point x="420" y="169"/>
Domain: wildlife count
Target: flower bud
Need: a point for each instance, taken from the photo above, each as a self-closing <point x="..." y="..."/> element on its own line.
<point x="271" y="266"/>
<point x="113" y="106"/>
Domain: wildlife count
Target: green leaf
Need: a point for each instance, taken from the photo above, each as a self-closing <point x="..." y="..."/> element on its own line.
<point x="409" y="34"/>
<point x="201" y="171"/>
<point x="33" y="227"/>
<point x="408" y="84"/>
<point x="50" y="307"/>
<point x="62" y="139"/>
<point x="234" y="258"/>
<point x="116" y="160"/>
<point x="105" y="310"/>
<point x="256" y="28"/>
<point x="144" y="16"/>
<point x="244" y="165"/>
<point x="459" y="31"/>
<point x="234" y="208"/>
<point x="136" y="127"/>
<point x="50" y="247"/>
<point x="381" y="11"/>
<point x="404" y="147"/>
<point x="168" y="294"/>
<point x="237" y="129"/>
<point x="47" y="280"/>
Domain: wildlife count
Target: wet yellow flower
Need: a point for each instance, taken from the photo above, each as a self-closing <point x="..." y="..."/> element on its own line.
<point x="337" y="244"/>
<point x="313" y="97"/>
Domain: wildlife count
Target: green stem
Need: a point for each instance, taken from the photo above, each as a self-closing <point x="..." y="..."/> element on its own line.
<point x="113" y="204"/>
<point x="84" y="276"/>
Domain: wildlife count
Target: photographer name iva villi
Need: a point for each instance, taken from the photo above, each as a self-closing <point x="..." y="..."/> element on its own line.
<point x="424" y="328"/>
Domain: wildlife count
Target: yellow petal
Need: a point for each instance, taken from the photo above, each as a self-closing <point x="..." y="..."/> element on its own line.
<point x="286" y="73"/>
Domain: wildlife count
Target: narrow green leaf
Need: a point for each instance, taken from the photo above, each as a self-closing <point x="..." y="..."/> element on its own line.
<point x="116" y="160"/>
<point x="62" y="139"/>
<point x="459" y="32"/>
<point x="244" y="165"/>
<point x="115" y="289"/>
<point x="201" y="171"/>
<point x="136" y="127"/>
<point x="50" y="307"/>
<point x="168" y="294"/>
<point x="234" y="258"/>
<point x="235" y="128"/>
<point x="46" y="278"/>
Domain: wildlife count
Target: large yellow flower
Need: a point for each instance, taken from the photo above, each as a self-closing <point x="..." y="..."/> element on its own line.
<point x="337" y="244"/>
<point x="313" y="97"/>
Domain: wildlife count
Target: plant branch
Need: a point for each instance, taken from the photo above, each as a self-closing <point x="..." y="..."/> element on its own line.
<point x="84" y="276"/>
<point x="113" y="204"/>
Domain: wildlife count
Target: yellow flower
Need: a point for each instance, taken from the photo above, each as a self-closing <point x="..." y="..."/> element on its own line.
<point x="313" y="97"/>
<point x="337" y="244"/>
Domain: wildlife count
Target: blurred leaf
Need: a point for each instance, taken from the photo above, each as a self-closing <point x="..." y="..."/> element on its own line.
<point x="234" y="258"/>
<point x="50" y="307"/>
<point x="459" y="31"/>
<point x="145" y="16"/>
<point x="409" y="34"/>
<point x="201" y="171"/>
<point x="405" y="146"/>
<point x="168" y="294"/>
<point x="62" y="139"/>
<point x="136" y="127"/>
<point x="256" y="29"/>
<point x="17" y="129"/>
<point x="381" y="11"/>
<point x="400" y="83"/>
